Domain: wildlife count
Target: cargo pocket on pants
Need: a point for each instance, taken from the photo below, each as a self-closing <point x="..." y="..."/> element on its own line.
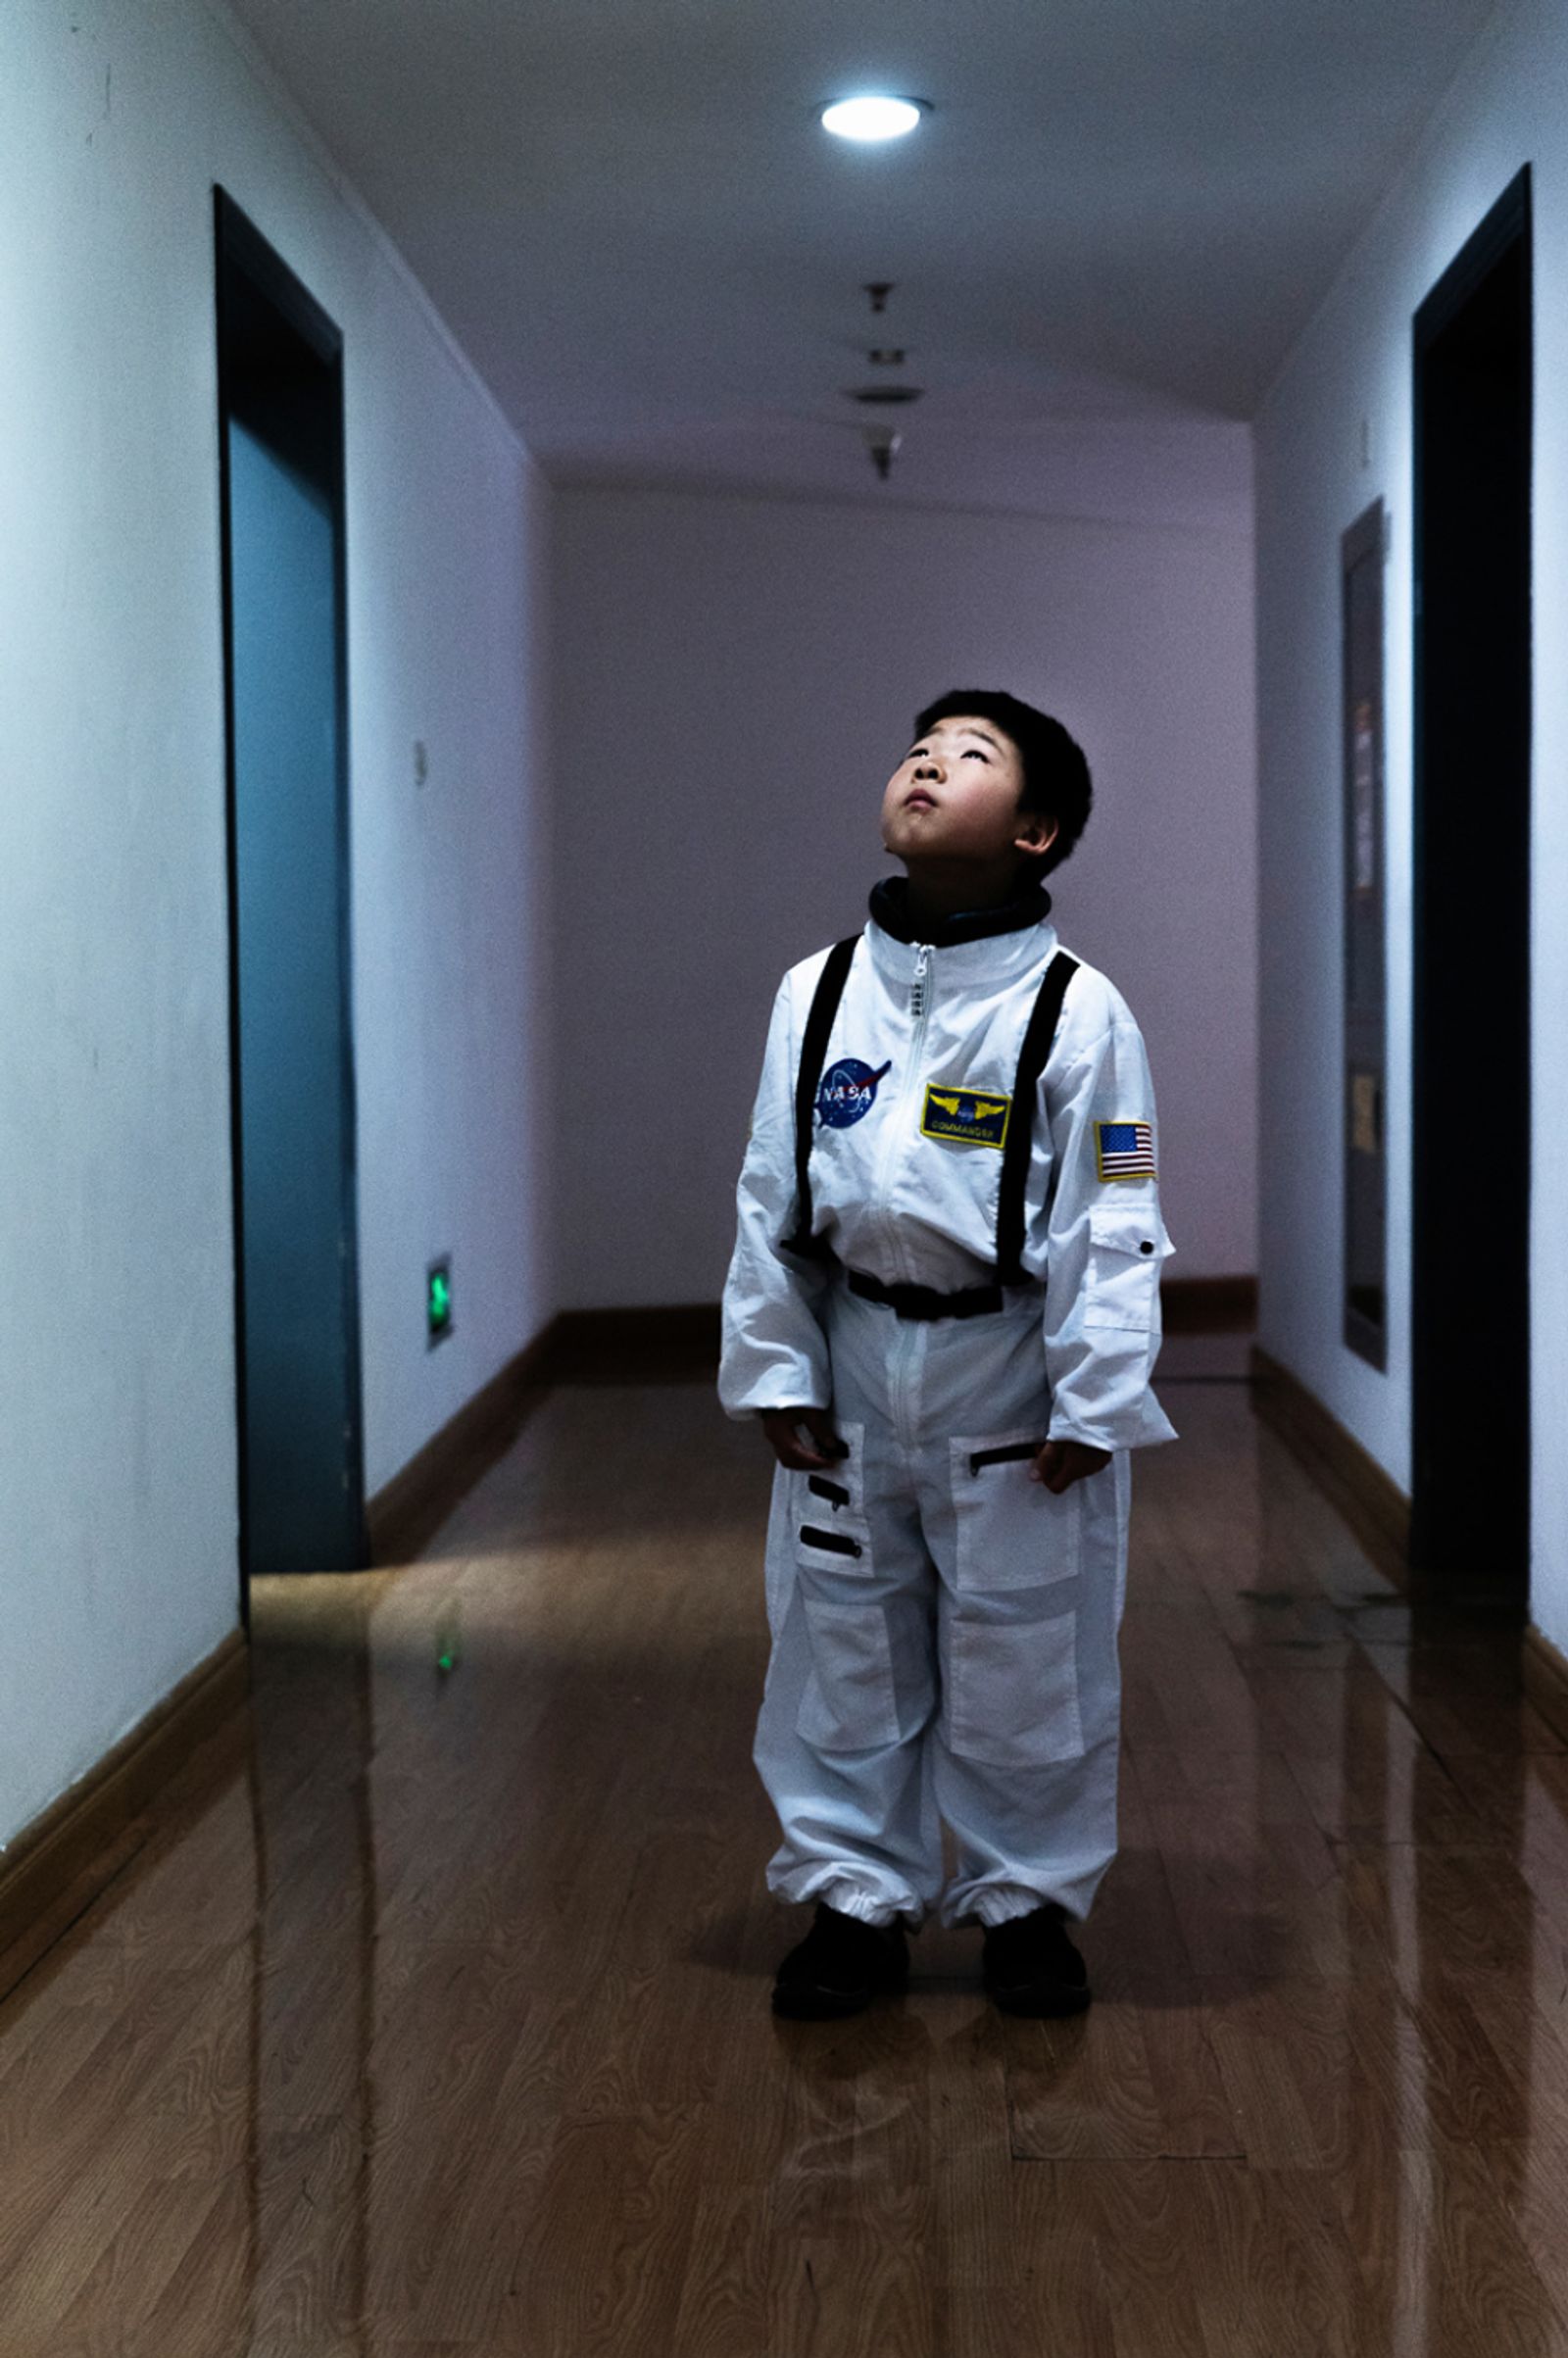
<point x="840" y="1486"/>
<point x="830" y="1533"/>
<point x="1011" y="1532"/>
<point x="1012" y="1691"/>
<point x="850" y="1703"/>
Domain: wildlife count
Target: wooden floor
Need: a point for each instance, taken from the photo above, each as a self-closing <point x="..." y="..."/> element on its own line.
<point x="436" y="2025"/>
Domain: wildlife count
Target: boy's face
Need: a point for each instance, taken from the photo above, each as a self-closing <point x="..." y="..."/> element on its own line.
<point x="954" y="799"/>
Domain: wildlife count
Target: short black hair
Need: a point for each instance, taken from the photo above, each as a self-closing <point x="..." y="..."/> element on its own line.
<point x="1056" y="774"/>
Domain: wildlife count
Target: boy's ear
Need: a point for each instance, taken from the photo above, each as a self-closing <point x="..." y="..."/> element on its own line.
<point x="1037" y="832"/>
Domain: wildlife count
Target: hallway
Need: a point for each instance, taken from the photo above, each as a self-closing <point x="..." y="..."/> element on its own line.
<point x="435" y="2019"/>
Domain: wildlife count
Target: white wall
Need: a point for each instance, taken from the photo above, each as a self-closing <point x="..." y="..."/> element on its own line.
<point x="734" y="680"/>
<point x="117" y="1516"/>
<point x="1354" y="364"/>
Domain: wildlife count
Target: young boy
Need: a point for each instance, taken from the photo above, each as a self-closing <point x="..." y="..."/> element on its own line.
<point x="944" y="1307"/>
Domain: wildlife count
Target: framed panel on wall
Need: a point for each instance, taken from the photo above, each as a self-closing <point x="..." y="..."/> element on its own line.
<point x="1366" y="1192"/>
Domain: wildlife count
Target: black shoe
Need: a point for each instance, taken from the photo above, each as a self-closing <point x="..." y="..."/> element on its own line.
<point x="1031" y="1967"/>
<point x="839" y="1967"/>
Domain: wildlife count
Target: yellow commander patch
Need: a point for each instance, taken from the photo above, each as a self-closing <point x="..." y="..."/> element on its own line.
<point x="967" y="1118"/>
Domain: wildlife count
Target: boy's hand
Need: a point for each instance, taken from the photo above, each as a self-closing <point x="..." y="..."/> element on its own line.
<point x="1062" y="1463"/>
<point x="799" y="1455"/>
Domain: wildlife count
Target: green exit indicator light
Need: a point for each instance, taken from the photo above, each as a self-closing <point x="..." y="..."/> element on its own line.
<point x="438" y="1300"/>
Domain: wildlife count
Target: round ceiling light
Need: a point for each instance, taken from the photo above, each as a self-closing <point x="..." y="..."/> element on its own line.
<point x="873" y="118"/>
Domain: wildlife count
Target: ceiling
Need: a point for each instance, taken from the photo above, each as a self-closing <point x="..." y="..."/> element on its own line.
<point x="1113" y="225"/>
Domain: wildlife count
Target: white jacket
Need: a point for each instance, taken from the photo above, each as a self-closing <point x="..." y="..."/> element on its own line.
<point x="901" y="1192"/>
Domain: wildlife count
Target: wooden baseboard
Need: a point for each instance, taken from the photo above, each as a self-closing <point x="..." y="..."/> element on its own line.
<point x="671" y="1343"/>
<point x="1209" y="1305"/>
<point x="668" y="1342"/>
<point x="1375" y="1507"/>
<point x="678" y="1342"/>
<point x="1545" y="1675"/>
<point x="57" y="1866"/>
<point x="408" y="1510"/>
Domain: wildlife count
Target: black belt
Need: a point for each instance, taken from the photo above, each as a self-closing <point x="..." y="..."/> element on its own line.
<point x="924" y="1302"/>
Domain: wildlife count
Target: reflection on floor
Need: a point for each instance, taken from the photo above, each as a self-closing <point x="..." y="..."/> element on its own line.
<point x="440" y="2024"/>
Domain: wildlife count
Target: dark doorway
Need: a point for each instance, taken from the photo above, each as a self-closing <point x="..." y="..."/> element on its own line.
<point x="281" y="423"/>
<point x="1470" y="1313"/>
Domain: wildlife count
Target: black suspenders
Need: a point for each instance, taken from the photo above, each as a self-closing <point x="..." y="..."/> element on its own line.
<point x="813" y="1050"/>
<point x="1038" y="1033"/>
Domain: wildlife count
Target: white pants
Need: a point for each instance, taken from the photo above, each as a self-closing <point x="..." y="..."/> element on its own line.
<point x="944" y="1633"/>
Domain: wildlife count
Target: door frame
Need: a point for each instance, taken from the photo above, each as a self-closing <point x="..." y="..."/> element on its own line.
<point x="241" y="251"/>
<point x="1507" y="224"/>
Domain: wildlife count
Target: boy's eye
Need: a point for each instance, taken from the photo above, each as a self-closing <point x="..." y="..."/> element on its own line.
<point x="972" y="753"/>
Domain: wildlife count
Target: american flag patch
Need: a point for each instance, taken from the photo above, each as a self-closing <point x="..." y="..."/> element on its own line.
<point x="1125" y="1149"/>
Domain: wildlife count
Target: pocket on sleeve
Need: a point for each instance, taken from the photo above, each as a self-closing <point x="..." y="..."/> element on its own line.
<point x="1127" y="1245"/>
<point x="1011" y="1532"/>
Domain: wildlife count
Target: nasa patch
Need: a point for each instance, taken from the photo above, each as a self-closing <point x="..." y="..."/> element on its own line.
<point x="848" y="1091"/>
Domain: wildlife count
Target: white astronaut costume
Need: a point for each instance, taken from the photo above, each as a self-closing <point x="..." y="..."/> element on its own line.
<point x="944" y="1629"/>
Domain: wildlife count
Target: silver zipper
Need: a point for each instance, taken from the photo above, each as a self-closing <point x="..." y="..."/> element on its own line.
<point x="909" y="1080"/>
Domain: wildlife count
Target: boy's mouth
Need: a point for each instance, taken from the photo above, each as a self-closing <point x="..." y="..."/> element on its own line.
<point x="912" y="802"/>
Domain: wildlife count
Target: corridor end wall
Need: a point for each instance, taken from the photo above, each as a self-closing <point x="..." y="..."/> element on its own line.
<point x="735" y="677"/>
